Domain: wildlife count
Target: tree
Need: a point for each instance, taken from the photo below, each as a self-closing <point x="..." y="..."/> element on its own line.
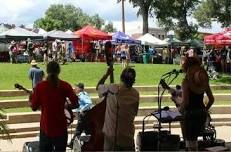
<point x="214" y="10"/>
<point x="97" y="21"/>
<point x="144" y="9"/>
<point x="173" y="14"/>
<point x="63" y="17"/>
<point x="123" y="14"/>
<point x="109" y="27"/>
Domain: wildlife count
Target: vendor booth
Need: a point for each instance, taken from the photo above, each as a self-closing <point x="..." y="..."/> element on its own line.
<point x="219" y="39"/>
<point x="18" y="34"/>
<point x="88" y="34"/>
<point x="148" y="39"/>
<point x="121" y="37"/>
<point x="52" y="35"/>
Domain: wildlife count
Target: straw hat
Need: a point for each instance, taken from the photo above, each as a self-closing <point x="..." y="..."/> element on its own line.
<point x="33" y="62"/>
<point x="198" y="79"/>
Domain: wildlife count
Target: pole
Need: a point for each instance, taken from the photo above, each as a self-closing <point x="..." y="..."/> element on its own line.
<point x="123" y="16"/>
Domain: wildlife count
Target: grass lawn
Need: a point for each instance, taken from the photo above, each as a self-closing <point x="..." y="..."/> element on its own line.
<point x="90" y="73"/>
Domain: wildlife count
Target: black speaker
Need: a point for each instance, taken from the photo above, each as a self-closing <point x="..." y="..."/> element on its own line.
<point x="148" y="141"/>
<point x="31" y="146"/>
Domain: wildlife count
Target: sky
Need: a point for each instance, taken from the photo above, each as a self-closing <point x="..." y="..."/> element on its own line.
<point x="27" y="11"/>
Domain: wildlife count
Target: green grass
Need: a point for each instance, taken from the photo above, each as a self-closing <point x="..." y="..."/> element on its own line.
<point x="90" y="73"/>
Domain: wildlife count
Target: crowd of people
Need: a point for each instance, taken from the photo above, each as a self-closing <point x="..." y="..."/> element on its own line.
<point x="26" y="51"/>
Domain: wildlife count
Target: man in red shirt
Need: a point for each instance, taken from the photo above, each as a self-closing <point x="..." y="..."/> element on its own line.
<point x="50" y="96"/>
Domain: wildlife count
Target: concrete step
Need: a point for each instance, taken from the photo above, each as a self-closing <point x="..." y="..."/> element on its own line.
<point x="18" y="103"/>
<point x="151" y="88"/>
<point x="137" y="127"/>
<point x="28" y="117"/>
<point x="23" y="130"/>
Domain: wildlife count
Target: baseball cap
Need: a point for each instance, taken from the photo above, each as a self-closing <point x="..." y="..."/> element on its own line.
<point x="80" y="85"/>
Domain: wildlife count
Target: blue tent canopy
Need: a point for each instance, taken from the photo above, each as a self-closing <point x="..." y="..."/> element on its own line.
<point x="120" y="37"/>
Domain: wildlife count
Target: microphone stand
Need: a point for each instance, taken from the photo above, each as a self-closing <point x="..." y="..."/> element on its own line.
<point x="163" y="77"/>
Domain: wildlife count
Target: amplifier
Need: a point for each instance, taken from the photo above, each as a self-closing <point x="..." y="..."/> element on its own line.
<point x="148" y="141"/>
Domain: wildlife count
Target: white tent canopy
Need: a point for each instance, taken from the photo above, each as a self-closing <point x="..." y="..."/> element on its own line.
<point x="148" y="39"/>
<point x="18" y="33"/>
<point x="52" y="35"/>
<point x="39" y="31"/>
<point x="69" y="32"/>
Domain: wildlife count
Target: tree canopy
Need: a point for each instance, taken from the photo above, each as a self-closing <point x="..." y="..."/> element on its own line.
<point x="214" y="10"/>
<point x="173" y="15"/>
<point x="64" y="17"/>
<point x="109" y="28"/>
<point x="144" y="7"/>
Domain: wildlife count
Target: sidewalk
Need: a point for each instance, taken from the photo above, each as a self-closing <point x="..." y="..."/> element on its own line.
<point x="223" y="132"/>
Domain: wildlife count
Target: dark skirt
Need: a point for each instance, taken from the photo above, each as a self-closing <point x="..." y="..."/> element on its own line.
<point x="194" y="123"/>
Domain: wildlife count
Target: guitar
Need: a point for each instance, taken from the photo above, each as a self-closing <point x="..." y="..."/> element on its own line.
<point x="176" y="94"/>
<point x="67" y="110"/>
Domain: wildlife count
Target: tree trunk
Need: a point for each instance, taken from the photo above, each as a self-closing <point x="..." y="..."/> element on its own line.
<point x="123" y="17"/>
<point x="145" y="20"/>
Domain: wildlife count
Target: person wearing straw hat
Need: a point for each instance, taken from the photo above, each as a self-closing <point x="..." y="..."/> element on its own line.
<point x="193" y="109"/>
<point x="35" y="73"/>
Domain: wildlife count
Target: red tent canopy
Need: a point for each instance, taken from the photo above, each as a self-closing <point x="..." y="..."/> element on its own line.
<point x="224" y="39"/>
<point x="87" y="34"/>
<point x="90" y="33"/>
<point x="210" y="39"/>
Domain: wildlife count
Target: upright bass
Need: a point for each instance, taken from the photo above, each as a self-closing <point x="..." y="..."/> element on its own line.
<point x="95" y="116"/>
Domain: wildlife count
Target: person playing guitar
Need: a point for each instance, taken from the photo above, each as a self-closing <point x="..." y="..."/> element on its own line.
<point x="50" y="96"/>
<point x="192" y="107"/>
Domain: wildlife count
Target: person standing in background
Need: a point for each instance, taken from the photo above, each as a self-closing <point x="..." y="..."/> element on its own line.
<point x="123" y="56"/>
<point x="35" y="74"/>
<point x="12" y="49"/>
<point x="127" y="55"/>
<point x="30" y="49"/>
<point x="45" y="53"/>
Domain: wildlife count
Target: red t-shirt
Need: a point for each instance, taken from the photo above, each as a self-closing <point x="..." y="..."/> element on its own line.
<point x="52" y="100"/>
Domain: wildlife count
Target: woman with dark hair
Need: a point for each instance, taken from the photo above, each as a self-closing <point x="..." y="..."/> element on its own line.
<point x="50" y="96"/>
<point x="193" y="109"/>
<point x="122" y="102"/>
